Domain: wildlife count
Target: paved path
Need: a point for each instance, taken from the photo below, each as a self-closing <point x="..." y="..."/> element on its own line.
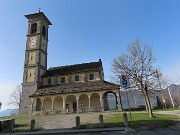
<point x="68" y="120"/>
<point x="175" y="112"/>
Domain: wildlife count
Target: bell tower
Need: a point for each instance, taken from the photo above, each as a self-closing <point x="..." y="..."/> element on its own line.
<point x="35" y="63"/>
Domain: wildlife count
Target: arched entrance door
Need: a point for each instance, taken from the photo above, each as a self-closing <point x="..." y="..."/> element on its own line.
<point x="110" y="101"/>
<point x="71" y="105"/>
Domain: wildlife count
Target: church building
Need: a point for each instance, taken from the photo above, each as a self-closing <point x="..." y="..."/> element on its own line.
<point x="62" y="89"/>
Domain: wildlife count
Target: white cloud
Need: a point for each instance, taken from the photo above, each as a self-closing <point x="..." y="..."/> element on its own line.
<point x="173" y="72"/>
<point x="6" y="88"/>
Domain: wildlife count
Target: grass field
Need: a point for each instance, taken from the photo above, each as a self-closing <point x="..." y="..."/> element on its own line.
<point x="138" y="120"/>
<point x="111" y="119"/>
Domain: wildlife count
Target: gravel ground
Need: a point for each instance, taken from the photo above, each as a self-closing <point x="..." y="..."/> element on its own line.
<point x="68" y="120"/>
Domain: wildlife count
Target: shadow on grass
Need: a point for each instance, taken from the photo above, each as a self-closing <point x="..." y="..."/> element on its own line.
<point x="25" y="128"/>
<point x="21" y="125"/>
<point x="152" y="124"/>
<point x="21" y="128"/>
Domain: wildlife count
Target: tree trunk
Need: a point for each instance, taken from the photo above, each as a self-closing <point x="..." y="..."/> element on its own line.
<point x="145" y="102"/>
<point x="148" y="104"/>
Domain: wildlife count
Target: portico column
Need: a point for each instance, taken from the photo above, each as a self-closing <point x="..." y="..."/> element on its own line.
<point x="42" y="100"/>
<point x="89" y="97"/>
<point x="31" y="111"/>
<point x="64" y="105"/>
<point x="77" y="103"/>
<point x="52" y="109"/>
<point x="102" y="103"/>
<point x="119" y="102"/>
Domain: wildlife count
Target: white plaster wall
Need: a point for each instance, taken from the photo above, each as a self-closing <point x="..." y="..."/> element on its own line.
<point x="59" y="79"/>
<point x="81" y="77"/>
<point x="96" y="76"/>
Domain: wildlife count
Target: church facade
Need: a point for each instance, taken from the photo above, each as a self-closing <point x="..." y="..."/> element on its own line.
<point x="63" y="89"/>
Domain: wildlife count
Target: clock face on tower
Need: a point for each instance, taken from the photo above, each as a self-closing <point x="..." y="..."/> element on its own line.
<point x="32" y="41"/>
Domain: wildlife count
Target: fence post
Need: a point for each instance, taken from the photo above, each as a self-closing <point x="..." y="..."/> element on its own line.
<point x="32" y="125"/>
<point x="11" y="125"/>
<point x="1" y="126"/>
<point x="101" y="121"/>
<point x="125" y="118"/>
<point x="77" y="122"/>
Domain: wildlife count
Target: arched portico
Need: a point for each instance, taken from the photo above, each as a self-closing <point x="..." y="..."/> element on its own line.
<point x="71" y="104"/>
<point x="110" y="101"/>
<point x="58" y="103"/>
<point x="38" y="104"/>
<point x="94" y="101"/>
<point x="47" y="104"/>
<point x="83" y="102"/>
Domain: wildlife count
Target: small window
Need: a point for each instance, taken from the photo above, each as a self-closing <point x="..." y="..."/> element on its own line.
<point x="44" y="30"/>
<point x="31" y="57"/>
<point x="91" y="76"/>
<point x="62" y="79"/>
<point x="77" y="78"/>
<point x="30" y="74"/>
<point x="49" y="81"/>
<point x="33" y="28"/>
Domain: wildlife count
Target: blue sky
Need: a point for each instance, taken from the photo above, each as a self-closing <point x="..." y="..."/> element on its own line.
<point x="86" y="30"/>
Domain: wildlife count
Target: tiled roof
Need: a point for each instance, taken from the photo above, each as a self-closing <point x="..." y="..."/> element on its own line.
<point x="75" y="88"/>
<point x="70" y="69"/>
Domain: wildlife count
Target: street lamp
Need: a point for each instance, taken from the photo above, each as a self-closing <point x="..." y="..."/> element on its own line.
<point x="163" y="99"/>
<point x="0" y="105"/>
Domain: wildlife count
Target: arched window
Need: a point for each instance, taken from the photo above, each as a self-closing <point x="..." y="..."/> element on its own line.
<point x="33" y="28"/>
<point x="44" y="30"/>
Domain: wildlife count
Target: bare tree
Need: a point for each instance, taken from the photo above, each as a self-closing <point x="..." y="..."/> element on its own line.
<point x="16" y="96"/>
<point x="137" y="63"/>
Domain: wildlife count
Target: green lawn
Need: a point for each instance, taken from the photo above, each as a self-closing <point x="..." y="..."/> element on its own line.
<point x="138" y="120"/>
<point x="142" y="119"/>
<point x="22" y="123"/>
<point x="169" y="109"/>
